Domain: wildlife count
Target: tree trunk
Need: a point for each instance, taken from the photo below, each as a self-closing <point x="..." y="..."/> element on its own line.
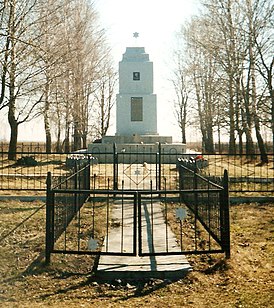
<point x="12" y="108"/>
<point x="58" y="142"/>
<point x="13" y="136"/>
<point x="46" y="121"/>
<point x="11" y="117"/>
<point x="66" y="141"/>
<point x="250" y="149"/>
<point x="48" y="140"/>
<point x="261" y="144"/>
<point x="84" y="139"/>
<point x="184" y="136"/>
<point x="232" y="144"/>
<point x="241" y="149"/>
<point x="210" y="140"/>
<point x="219" y="139"/>
<point x="76" y="137"/>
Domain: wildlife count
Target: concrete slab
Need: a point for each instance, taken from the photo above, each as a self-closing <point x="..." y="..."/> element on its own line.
<point x="156" y="237"/>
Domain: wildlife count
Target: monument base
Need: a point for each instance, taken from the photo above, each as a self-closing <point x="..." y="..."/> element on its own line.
<point x="137" y="139"/>
<point x="138" y="149"/>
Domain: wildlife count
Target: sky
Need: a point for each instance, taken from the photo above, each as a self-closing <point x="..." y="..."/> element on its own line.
<point x="157" y="22"/>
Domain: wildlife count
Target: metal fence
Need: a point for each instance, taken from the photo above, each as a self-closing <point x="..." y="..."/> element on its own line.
<point x="64" y="202"/>
<point x="144" y="223"/>
<point x="209" y="201"/>
<point x="29" y="171"/>
<point x="135" y="170"/>
<point x="245" y="175"/>
<point x="71" y="226"/>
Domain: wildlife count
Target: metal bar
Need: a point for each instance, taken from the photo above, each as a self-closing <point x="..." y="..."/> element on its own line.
<point x="139" y="223"/>
<point x="115" y="167"/>
<point x="209" y="217"/>
<point x="195" y="209"/>
<point x="166" y="218"/>
<point x="152" y="216"/>
<point x="107" y="222"/>
<point x="122" y="231"/>
<point x="159" y="167"/>
<point x="49" y="222"/>
<point x="226" y="228"/>
<point x="79" y="228"/>
<point x="185" y="252"/>
<point x="88" y="252"/>
<point x="135" y="222"/>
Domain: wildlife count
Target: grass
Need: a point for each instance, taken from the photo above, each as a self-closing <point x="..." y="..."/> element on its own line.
<point x="14" y="179"/>
<point x="245" y="280"/>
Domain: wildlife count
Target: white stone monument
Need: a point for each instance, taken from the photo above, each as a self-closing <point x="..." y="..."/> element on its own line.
<point x="136" y="109"/>
<point x="136" y="104"/>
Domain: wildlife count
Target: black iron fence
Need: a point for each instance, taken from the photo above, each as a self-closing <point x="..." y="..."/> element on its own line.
<point x="144" y="223"/>
<point x="135" y="170"/>
<point x="87" y="231"/>
<point x="81" y="215"/>
<point x="63" y="200"/>
<point x="209" y="201"/>
<point x="246" y="175"/>
<point x="29" y="171"/>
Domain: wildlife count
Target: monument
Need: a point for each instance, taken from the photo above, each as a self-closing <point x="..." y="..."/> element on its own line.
<point x="136" y="107"/>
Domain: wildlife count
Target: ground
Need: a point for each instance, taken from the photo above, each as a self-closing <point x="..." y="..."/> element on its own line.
<point x="245" y="280"/>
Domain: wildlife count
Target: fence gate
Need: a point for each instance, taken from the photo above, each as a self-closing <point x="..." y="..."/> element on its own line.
<point x="144" y="223"/>
<point x="135" y="168"/>
<point x="193" y="219"/>
<point x="171" y="225"/>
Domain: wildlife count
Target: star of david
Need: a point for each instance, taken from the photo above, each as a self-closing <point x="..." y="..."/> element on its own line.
<point x="92" y="244"/>
<point x="181" y="213"/>
<point x="137" y="172"/>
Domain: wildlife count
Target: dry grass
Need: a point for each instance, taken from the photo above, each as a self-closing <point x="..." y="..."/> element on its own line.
<point x="238" y="166"/>
<point x="246" y="280"/>
<point x="13" y="176"/>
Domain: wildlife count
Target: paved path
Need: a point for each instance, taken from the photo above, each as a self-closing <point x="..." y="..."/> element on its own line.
<point x="156" y="237"/>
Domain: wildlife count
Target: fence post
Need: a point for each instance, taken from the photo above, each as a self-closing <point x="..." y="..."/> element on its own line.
<point x="88" y="174"/>
<point x="75" y="184"/>
<point x="115" y="167"/>
<point x="181" y="176"/>
<point x="159" y="165"/>
<point x="225" y="216"/>
<point x="49" y="218"/>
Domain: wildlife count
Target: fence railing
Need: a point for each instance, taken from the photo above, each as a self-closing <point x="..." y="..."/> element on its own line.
<point x="245" y="175"/>
<point x="29" y="171"/>
<point x="198" y="217"/>
<point x="209" y="201"/>
<point x="64" y="200"/>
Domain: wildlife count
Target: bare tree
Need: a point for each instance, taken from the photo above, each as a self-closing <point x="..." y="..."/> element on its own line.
<point x="181" y="88"/>
<point x="260" y="34"/>
<point x="73" y="54"/>
<point x="202" y="71"/>
<point x="104" y="100"/>
<point x="230" y="43"/>
<point x="20" y="72"/>
<point x="51" y="54"/>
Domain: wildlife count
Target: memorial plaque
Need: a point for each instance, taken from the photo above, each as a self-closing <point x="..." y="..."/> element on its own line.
<point x="136" y="109"/>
